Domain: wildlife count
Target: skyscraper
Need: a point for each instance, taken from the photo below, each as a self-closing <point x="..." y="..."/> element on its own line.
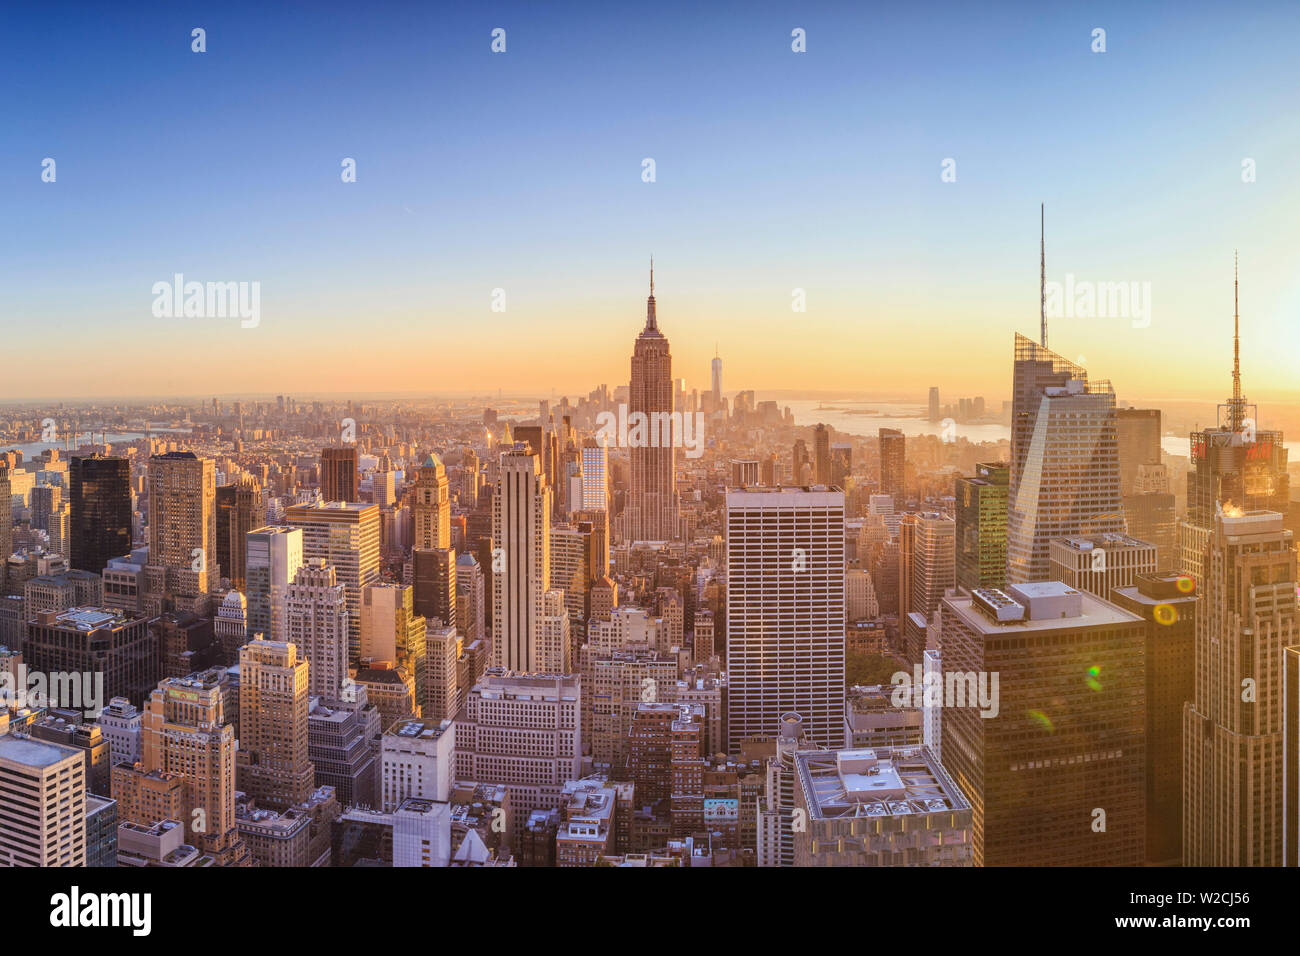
<point x="893" y="456"/>
<point x="1233" y="728"/>
<point x="1052" y="757"/>
<point x="821" y="455"/>
<point x="1236" y="464"/>
<point x="338" y="473"/>
<point x="100" y="490"/>
<point x="717" y="379"/>
<point x="1064" y="459"/>
<point x="183" y="521"/>
<point x="934" y="403"/>
<point x="274" y="555"/>
<point x="346" y="535"/>
<point x="595" y="476"/>
<point x="239" y="511"/>
<point x="7" y="524"/>
<point x="185" y="732"/>
<point x="521" y="529"/>
<point x="273" y="767"/>
<point x="431" y="506"/>
<point x="652" y="506"/>
<point x="981" y="512"/>
<point x="43" y="813"/>
<point x="933" y="554"/>
<point x="785" y="611"/>
<point x="1168" y="610"/>
<point x="316" y="622"/>
<point x="433" y="577"/>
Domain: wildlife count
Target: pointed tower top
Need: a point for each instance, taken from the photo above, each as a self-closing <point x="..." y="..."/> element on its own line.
<point x="651" y="321"/>
<point x="1042" y="273"/>
<point x="1238" y="403"/>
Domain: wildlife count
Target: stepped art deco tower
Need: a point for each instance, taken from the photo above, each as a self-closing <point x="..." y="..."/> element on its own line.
<point x="652" y="509"/>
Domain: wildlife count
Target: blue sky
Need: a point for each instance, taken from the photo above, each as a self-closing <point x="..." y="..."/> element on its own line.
<point x="521" y="171"/>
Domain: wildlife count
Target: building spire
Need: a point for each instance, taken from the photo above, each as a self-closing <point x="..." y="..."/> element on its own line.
<point x="651" y="322"/>
<point x="1042" y="273"/>
<point x="1238" y="403"/>
<point x="1236" y="335"/>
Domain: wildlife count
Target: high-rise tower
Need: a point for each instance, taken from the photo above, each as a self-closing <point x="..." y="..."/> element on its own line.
<point x="1233" y="728"/>
<point x="100" y="492"/>
<point x="652" y="507"/>
<point x="521" y="525"/>
<point x="1064" y="459"/>
<point x="1234" y="464"/>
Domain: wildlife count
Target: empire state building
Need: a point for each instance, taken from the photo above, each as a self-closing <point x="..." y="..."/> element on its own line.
<point x="652" y="509"/>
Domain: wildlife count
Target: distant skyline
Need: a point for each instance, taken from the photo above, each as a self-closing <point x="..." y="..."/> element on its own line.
<point x="775" y="171"/>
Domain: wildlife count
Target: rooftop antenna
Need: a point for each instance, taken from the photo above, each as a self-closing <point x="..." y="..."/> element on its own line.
<point x="1042" y="273"/>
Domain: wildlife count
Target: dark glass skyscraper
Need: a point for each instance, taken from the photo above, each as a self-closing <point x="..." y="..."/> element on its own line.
<point x="981" y="513"/>
<point x="338" y="473"/>
<point x="101" y="511"/>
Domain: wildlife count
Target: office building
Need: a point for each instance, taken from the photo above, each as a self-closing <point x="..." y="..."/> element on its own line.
<point x="1053" y="759"/>
<point x="1167" y="605"/>
<point x="316" y="623"/>
<point x="274" y="555"/>
<point x="239" y="510"/>
<point x="43" y="813"/>
<point x="431" y="506"/>
<point x="893" y="459"/>
<point x="880" y="806"/>
<point x="417" y="759"/>
<point x="1099" y="563"/>
<point x="183" y="523"/>
<point x="521" y="523"/>
<point x="345" y="535"/>
<point x="785" y="611"/>
<point x="99" y="490"/>
<point x="1233" y="727"/>
<point x="1064" y="460"/>
<point x="524" y="732"/>
<point x="981" y="516"/>
<point x="338" y="474"/>
<point x="652" y="509"/>
<point x="273" y="767"/>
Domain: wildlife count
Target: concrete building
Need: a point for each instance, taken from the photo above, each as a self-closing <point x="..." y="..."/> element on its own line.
<point x="883" y="806"/>
<point x="417" y="759"/>
<point x="785" y="611"/>
<point x="43" y="813"/>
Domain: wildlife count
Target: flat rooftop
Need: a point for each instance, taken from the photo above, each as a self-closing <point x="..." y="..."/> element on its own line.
<point x="1094" y="612"/>
<point x="34" y="753"/>
<point x="804" y="496"/>
<point x="876" y="782"/>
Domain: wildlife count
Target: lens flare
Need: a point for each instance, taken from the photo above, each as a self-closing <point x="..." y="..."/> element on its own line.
<point x="1044" y="721"/>
<point x="1094" y="677"/>
<point x="1186" y="583"/>
<point x="1165" y="614"/>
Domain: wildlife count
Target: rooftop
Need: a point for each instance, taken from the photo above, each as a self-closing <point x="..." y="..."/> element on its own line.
<point x="17" y="748"/>
<point x="879" y="782"/>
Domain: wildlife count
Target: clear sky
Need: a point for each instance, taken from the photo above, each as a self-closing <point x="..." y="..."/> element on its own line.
<point x="522" y="171"/>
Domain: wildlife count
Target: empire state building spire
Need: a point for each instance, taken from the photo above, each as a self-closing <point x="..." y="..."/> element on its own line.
<point x="1237" y="404"/>
<point x="651" y="322"/>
